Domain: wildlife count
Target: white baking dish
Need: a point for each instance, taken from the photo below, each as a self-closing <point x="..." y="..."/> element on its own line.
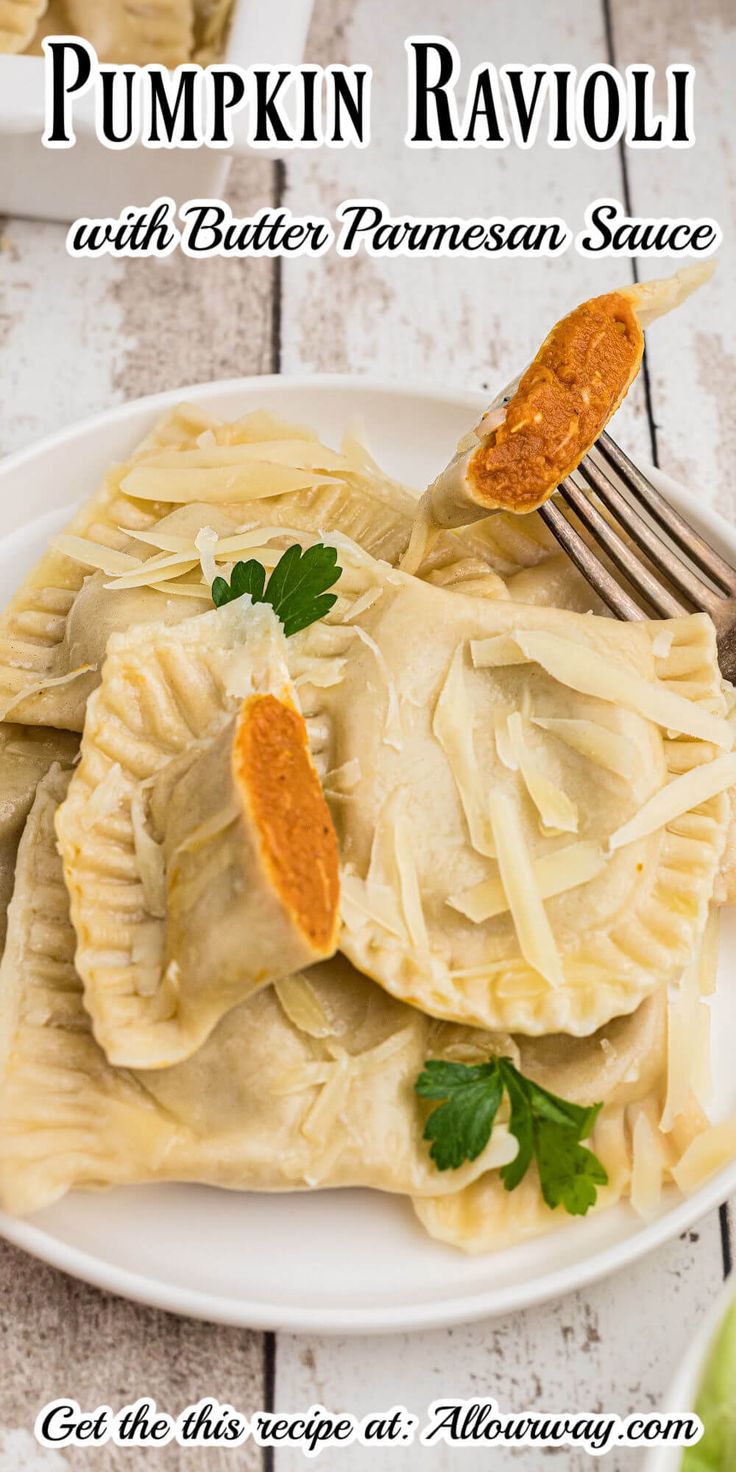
<point x="89" y="179"/>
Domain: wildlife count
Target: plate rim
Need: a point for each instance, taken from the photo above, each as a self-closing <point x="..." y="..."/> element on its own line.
<point x="300" y="1319"/>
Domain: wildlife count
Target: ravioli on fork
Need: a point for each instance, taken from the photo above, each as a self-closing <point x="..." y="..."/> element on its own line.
<point x="199" y="852"/>
<point x="538" y="429"/>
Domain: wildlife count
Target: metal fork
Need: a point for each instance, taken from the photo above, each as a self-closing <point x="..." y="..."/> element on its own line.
<point x="621" y="497"/>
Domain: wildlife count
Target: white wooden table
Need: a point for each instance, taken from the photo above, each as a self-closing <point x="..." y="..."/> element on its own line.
<point x="77" y="337"/>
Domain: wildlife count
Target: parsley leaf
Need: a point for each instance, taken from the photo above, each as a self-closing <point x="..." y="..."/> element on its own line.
<point x="296" y="588"/>
<point x="462" y="1126"/>
<point x="247" y="577"/>
<point x="547" y="1129"/>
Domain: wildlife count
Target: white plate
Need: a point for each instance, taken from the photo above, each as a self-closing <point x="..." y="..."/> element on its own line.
<point x="334" y="1261"/>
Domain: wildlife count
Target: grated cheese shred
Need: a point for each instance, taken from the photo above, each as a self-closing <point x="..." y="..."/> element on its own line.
<point x="301" y="1004"/>
<point x="582" y="669"/>
<point x="555" y="874"/>
<point x="680" y="796"/>
<point x="533" y="930"/>
<point x="555" y="809"/>
<point x="393" y="735"/>
<point x="38" y="687"/>
<point x="600" y="745"/>
<point x="452" y="727"/>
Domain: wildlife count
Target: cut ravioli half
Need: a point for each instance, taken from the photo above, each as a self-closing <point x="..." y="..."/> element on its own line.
<point x="129" y="555"/>
<point x="198" y="849"/>
<point x="26" y="754"/>
<point x="538" y="430"/>
<point x="307" y="1084"/>
<point x="480" y="882"/>
<point x="137" y="32"/>
<point x="18" y="21"/>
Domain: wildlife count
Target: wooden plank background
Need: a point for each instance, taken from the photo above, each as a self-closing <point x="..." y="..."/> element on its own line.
<point x="78" y="337"/>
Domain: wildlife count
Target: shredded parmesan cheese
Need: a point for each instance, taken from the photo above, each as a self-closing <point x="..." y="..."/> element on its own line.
<point x="423" y="536"/>
<point x="363" y="603"/>
<point x="303" y="1007"/>
<point x="38" y="687"/>
<point x="679" y="796"/>
<point x="709" y="953"/>
<point x="555" y="809"/>
<point x="393" y="735"/>
<point x="258" y="659"/>
<point x="156" y="570"/>
<point x="411" y="898"/>
<point x="453" y="727"/>
<point x="505" y="748"/>
<point x="187" y="590"/>
<point x="205" y="543"/>
<point x="496" y="651"/>
<point x="599" y="744"/>
<point x="299" y="454"/>
<point x="249" y="538"/>
<point x="688" y="1047"/>
<point x="162" y="541"/>
<point x="373" y="901"/>
<point x="647" y="1166"/>
<point x="584" y="670"/>
<point x="94" y="554"/>
<point x="707" y="1153"/>
<point x="533" y="930"/>
<point x="302" y="1076"/>
<point x="247" y="482"/>
<point x="106" y="797"/>
<point x="149" y="857"/>
<point x="318" y="1124"/>
<point x="555" y="873"/>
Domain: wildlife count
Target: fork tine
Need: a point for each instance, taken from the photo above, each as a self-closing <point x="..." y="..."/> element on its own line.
<point x="660" y="599"/>
<point x="665" y="560"/>
<point x="672" y="522"/>
<point x="593" y="570"/>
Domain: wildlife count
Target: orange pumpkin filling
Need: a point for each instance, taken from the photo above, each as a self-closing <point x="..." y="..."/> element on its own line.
<point x="274" y="769"/>
<point x="563" y="402"/>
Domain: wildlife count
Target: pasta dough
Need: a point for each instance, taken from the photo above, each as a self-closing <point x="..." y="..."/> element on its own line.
<point x="504" y="755"/>
<point x="198" y="849"/>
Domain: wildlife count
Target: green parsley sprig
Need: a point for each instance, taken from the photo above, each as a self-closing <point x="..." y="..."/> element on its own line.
<point x="548" y="1129"/>
<point x="296" y="588"/>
